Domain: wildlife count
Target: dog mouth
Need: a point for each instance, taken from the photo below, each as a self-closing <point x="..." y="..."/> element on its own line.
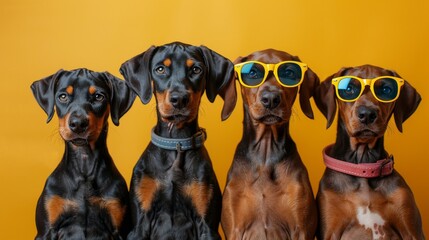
<point x="270" y="119"/>
<point x="79" y="141"/>
<point x="175" y="118"/>
<point x="365" y="134"/>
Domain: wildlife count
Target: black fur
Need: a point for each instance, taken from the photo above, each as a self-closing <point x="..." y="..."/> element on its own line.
<point x="76" y="199"/>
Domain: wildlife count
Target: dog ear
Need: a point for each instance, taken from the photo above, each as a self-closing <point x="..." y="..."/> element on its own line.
<point x="44" y="92"/>
<point x="137" y="73"/>
<point x="406" y="104"/>
<point x="306" y="91"/>
<point x="121" y="99"/>
<point x="220" y="80"/>
<point x="325" y="99"/>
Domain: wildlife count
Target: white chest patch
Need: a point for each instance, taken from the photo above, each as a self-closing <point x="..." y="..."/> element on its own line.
<point x="372" y="221"/>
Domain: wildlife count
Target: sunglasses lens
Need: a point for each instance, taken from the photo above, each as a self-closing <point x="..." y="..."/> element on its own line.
<point x="289" y="74"/>
<point x="349" y="88"/>
<point x="252" y="74"/>
<point x="386" y="89"/>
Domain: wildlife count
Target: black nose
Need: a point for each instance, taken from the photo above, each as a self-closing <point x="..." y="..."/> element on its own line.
<point x="270" y="100"/>
<point x="366" y="115"/>
<point x="78" y="124"/>
<point x="179" y="100"/>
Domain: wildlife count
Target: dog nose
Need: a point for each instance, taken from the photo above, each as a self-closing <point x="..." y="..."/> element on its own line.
<point x="179" y="100"/>
<point x="270" y="100"/>
<point x="366" y="115"/>
<point x="78" y="124"/>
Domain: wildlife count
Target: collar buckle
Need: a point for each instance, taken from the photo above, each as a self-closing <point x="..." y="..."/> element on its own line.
<point x="385" y="163"/>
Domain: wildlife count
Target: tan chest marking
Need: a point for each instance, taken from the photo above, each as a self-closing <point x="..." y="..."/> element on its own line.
<point x="57" y="205"/>
<point x="113" y="206"/>
<point x="200" y="194"/>
<point x="145" y="191"/>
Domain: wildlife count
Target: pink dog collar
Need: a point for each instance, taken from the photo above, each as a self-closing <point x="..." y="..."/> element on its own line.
<point x="367" y="170"/>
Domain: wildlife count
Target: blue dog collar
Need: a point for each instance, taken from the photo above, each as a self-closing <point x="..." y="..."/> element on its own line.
<point x="180" y="144"/>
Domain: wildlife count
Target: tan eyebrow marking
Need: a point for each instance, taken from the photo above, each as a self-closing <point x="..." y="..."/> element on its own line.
<point x="69" y="90"/>
<point x="189" y="62"/>
<point x="92" y="90"/>
<point x="167" y="62"/>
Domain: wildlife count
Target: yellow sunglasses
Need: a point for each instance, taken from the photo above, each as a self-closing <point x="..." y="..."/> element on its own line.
<point x="385" y="88"/>
<point x="253" y="73"/>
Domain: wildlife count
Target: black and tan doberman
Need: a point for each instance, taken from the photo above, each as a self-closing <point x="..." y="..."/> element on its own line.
<point x="174" y="191"/>
<point x="85" y="197"/>
<point x="360" y="195"/>
<point x="268" y="193"/>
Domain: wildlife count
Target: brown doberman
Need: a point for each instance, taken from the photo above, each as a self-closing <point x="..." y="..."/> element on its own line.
<point x="174" y="191"/>
<point x="360" y="195"/>
<point x="268" y="193"/>
<point x="85" y="197"/>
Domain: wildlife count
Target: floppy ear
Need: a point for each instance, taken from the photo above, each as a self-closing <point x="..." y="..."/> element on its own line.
<point x="306" y="91"/>
<point x="44" y="92"/>
<point x="325" y="99"/>
<point x="121" y="99"/>
<point x="220" y="80"/>
<point x="406" y="104"/>
<point x="137" y="73"/>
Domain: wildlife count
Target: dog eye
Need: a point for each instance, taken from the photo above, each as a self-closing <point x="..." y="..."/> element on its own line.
<point x="63" y="98"/>
<point x="99" y="97"/>
<point x="160" y="70"/>
<point x="196" y="70"/>
<point x="253" y="74"/>
<point x="387" y="90"/>
<point x="289" y="73"/>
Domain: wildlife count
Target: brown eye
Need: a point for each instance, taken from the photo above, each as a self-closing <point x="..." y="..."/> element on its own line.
<point x="99" y="97"/>
<point x="160" y="70"/>
<point x="196" y="70"/>
<point x="63" y="98"/>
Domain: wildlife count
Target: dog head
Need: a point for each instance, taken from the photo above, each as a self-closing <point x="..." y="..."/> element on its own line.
<point x="366" y="118"/>
<point x="271" y="103"/>
<point x="83" y="100"/>
<point x="178" y="74"/>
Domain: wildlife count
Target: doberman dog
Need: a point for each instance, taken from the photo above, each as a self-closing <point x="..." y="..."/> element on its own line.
<point x="360" y="195"/>
<point x="174" y="192"/>
<point x="85" y="197"/>
<point x="268" y="193"/>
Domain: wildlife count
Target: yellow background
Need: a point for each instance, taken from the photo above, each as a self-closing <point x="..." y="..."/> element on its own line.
<point x="40" y="37"/>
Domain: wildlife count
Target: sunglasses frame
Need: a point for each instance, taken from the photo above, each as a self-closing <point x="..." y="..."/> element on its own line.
<point x="270" y="67"/>
<point x="368" y="82"/>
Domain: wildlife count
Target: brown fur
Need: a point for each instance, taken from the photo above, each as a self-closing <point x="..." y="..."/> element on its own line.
<point x="268" y="193"/>
<point x="345" y="202"/>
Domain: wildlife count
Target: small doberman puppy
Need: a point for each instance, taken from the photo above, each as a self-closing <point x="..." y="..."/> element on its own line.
<point x="85" y="197"/>
<point x="360" y="195"/>
<point x="268" y="193"/>
<point x="174" y="192"/>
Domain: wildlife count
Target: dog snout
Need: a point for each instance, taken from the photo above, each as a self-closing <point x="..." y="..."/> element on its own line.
<point x="270" y="100"/>
<point x="78" y="123"/>
<point x="366" y="115"/>
<point x="179" y="100"/>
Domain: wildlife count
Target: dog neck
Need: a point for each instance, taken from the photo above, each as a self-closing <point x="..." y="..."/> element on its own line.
<point x="172" y="130"/>
<point x="84" y="159"/>
<point x="176" y="157"/>
<point x="266" y="143"/>
<point x="350" y="150"/>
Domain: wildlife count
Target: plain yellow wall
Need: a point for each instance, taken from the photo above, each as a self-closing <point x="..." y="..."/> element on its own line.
<point x="40" y="37"/>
